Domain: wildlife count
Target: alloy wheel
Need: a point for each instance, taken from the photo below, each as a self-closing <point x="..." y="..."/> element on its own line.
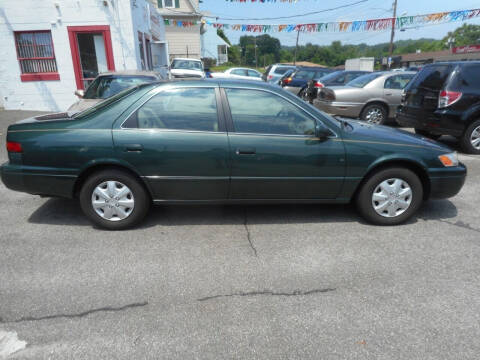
<point x="374" y="116"/>
<point x="392" y="197"/>
<point x="475" y="138"/>
<point x="113" y="200"/>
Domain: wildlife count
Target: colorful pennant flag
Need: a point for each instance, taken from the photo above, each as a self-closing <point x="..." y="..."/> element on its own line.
<point x="344" y="26"/>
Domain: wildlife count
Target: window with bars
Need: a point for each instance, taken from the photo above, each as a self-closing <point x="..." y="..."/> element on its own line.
<point x="35" y="52"/>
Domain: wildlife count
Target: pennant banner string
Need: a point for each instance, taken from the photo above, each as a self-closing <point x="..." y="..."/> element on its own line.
<point x="343" y="26"/>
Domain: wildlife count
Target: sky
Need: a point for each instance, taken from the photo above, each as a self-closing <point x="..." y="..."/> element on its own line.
<point x="370" y="9"/>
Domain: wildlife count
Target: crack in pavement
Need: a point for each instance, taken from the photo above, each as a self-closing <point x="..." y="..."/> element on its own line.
<point x="249" y="238"/>
<point x="459" y="224"/>
<point x="271" y="293"/>
<point x="79" y="315"/>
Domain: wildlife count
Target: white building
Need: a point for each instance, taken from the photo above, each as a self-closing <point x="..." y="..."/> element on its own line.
<point x="50" y="48"/>
<point x="182" y="41"/>
<point x="213" y="46"/>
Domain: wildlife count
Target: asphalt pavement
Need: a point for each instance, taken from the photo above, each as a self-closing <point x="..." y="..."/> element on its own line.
<point x="240" y="282"/>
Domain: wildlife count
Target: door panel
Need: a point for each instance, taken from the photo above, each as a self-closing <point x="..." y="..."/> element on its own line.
<point x="274" y="152"/>
<point x="285" y="167"/>
<point x="177" y="143"/>
<point x="178" y="165"/>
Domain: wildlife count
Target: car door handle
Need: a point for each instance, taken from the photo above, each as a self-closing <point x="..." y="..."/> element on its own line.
<point x="246" y="151"/>
<point x="388" y="94"/>
<point x="133" y="147"/>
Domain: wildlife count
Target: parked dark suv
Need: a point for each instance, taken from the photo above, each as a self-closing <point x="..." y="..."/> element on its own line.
<point x="444" y="99"/>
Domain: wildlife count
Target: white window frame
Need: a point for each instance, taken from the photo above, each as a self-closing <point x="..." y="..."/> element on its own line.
<point x="168" y="7"/>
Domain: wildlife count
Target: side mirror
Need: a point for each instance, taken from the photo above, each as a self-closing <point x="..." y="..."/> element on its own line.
<point x="80" y="93"/>
<point x="322" y="132"/>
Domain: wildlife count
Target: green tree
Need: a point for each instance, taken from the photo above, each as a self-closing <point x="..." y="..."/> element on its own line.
<point x="465" y="35"/>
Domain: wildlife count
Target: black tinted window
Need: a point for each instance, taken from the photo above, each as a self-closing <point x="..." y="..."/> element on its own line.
<point x="468" y="77"/>
<point x="281" y="70"/>
<point x="304" y="74"/>
<point x="261" y="112"/>
<point x="105" y="86"/>
<point x="180" y="109"/>
<point x="432" y="77"/>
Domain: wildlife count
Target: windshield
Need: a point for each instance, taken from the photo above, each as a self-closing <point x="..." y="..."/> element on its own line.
<point x="187" y="65"/>
<point x="105" y="86"/>
<point x="363" y="80"/>
<point x="105" y="103"/>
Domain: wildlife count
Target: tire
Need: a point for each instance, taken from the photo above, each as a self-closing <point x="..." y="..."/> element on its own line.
<point x="469" y="140"/>
<point x="427" y="134"/>
<point x="303" y="95"/>
<point x="365" y="200"/>
<point x="125" y="185"/>
<point x="374" y="114"/>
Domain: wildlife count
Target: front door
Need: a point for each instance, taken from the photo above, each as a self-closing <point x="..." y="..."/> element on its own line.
<point x="176" y="142"/>
<point x="274" y="151"/>
<point x="91" y="48"/>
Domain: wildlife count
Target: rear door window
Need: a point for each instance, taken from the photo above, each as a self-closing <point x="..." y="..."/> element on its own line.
<point x="432" y="78"/>
<point x="305" y="74"/>
<point x="281" y="70"/>
<point x="467" y="78"/>
<point x="240" y="72"/>
<point x="178" y="109"/>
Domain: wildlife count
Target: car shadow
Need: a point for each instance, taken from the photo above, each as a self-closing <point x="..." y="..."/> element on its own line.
<point x="63" y="212"/>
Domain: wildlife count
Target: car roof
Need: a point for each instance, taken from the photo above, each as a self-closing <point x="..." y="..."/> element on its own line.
<point x="220" y="82"/>
<point x="129" y="73"/>
<point x="190" y="59"/>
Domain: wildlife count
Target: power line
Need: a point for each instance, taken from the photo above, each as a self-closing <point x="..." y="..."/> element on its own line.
<point x="294" y="16"/>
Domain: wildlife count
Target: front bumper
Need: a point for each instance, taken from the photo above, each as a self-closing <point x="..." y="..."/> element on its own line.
<point x="339" y="108"/>
<point x="24" y="179"/>
<point x="447" y="182"/>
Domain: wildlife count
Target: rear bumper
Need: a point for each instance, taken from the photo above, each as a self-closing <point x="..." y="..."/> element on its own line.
<point x="17" y="178"/>
<point x="447" y="182"/>
<point x="441" y="122"/>
<point x="339" y="108"/>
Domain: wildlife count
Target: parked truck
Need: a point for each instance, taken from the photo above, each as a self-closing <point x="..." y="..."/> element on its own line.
<point x="362" y="64"/>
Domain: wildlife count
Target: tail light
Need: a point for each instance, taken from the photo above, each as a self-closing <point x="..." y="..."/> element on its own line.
<point x="14" y="147"/>
<point x="318" y="85"/>
<point x="270" y="77"/>
<point x="448" y="98"/>
<point x="287" y="81"/>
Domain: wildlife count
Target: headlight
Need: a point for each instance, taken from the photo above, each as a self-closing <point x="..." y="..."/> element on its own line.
<point x="449" y="160"/>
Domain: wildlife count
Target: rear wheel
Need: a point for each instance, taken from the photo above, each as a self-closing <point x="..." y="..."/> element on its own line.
<point x="390" y="196"/>
<point x="374" y="114"/>
<point x="427" y="134"/>
<point x="114" y="199"/>
<point x="470" y="140"/>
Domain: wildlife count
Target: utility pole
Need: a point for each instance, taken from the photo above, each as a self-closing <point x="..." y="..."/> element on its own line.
<point x="296" y="47"/>
<point x="390" y="51"/>
<point x="256" y="59"/>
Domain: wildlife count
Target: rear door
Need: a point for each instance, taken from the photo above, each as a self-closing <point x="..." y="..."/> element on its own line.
<point x="177" y="142"/>
<point x="274" y="152"/>
<point x="421" y="95"/>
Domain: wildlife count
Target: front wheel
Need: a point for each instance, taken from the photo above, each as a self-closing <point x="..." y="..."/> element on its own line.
<point x="470" y="140"/>
<point x="390" y="196"/>
<point x="374" y="114"/>
<point x="114" y="199"/>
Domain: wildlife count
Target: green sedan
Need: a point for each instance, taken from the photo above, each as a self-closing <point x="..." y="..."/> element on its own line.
<point x="223" y="141"/>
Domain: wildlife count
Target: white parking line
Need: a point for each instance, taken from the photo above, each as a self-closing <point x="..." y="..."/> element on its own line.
<point x="9" y="343"/>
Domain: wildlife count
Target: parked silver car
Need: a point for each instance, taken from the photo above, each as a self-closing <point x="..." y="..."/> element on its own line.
<point x="373" y="97"/>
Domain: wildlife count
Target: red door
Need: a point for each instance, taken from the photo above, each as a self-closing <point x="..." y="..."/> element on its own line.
<point x="91" y="48"/>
